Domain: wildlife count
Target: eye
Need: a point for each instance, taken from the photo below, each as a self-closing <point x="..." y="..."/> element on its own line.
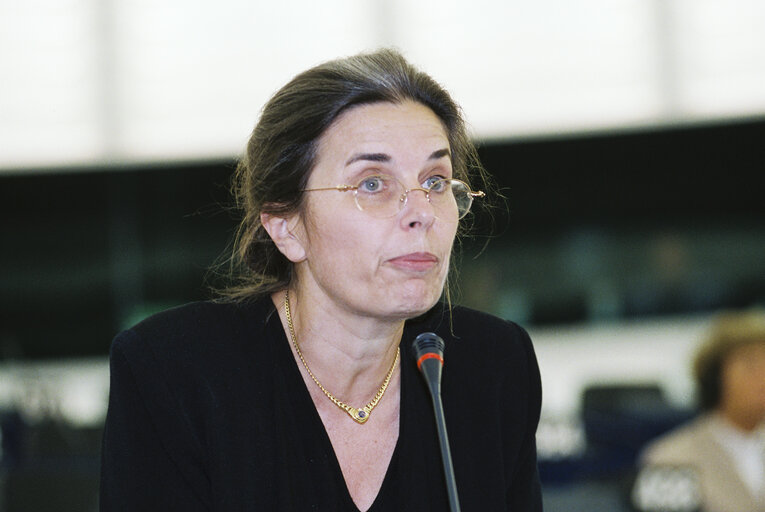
<point x="372" y="184"/>
<point x="435" y="184"/>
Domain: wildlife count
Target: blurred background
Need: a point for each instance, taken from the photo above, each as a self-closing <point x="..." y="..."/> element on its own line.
<point x="626" y="135"/>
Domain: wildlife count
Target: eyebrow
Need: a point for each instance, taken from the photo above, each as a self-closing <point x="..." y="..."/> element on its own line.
<point x="383" y="157"/>
<point x="440" y="154"/>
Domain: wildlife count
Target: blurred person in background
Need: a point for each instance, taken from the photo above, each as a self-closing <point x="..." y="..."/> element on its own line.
<point x="299" y="390"/>
<point x="724" y="448"/>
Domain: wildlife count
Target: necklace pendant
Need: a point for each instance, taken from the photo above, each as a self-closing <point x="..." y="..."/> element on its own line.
<point x="358" y="415"/>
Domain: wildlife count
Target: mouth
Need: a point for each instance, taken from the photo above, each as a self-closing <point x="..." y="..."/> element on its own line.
<point x="415" y="262"/>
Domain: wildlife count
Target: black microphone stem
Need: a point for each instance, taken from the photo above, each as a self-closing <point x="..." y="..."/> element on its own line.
<point x="446" y="454"/>
<point x="428" y="351"/>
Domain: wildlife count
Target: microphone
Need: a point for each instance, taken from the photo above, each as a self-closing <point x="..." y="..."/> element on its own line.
<point x="429" y="353"/>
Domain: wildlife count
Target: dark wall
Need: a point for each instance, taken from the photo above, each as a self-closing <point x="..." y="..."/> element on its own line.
<point x="684" y="174"/>
<point x="85" y="253"/>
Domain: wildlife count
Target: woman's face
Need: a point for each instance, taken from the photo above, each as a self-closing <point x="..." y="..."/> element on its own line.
<point x="379" y="267"/>
<point x="743" y="382"/>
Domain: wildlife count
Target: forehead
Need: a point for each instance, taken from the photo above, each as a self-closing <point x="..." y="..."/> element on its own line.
<point x="408" y="132"/>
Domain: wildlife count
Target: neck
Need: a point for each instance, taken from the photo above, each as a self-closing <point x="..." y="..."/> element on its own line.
<point x="350" y="354"/>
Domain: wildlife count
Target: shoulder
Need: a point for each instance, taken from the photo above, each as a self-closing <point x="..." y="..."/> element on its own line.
<point x="465" y="321"/>
<point x="481" y="344"/>
<point x="476" y="331"/>
<point x="468" y="321"/>
<point x="191" y="318"/>
<point x="197" y="330"/>
<point x="185" y="361"/>
<point x="489" y="367"/>
<point x="679" y="446"/>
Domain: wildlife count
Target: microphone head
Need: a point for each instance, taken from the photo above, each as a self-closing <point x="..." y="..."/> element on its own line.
<point x="429" y="353"/>
<point x="428" y="345"/>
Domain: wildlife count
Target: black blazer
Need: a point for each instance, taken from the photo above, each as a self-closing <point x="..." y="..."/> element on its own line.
<point x="208" y="411"/>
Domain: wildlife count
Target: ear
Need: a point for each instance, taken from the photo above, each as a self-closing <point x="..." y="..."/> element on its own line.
<point x="284" y="232"/>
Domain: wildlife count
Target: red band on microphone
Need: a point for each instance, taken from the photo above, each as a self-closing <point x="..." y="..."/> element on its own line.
<point x="429" y="355"/>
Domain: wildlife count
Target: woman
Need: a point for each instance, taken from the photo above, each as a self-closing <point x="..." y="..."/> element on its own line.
<point x="723" y="449"/>
<point x="300" y="392"/>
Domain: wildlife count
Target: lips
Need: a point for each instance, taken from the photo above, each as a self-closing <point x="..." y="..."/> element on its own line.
<point x="416" y="261"/>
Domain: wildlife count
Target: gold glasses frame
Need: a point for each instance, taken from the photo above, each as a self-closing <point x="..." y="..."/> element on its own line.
<point x="471" y="195"/>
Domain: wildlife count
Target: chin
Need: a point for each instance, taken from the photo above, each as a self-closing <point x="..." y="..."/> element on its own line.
<point x="414" y="305"/>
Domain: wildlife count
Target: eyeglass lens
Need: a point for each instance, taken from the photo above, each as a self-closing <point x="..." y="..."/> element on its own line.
<point x="385" y="196"/>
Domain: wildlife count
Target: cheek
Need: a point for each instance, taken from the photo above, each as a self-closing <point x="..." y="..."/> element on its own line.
<point x="337" y="242"/>
<point x="757" y="381"/>
<point x="447" y="237"/>
<point x="743" y="382"/>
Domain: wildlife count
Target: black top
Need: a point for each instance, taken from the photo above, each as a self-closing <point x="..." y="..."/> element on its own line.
<point x="208" y="411"/>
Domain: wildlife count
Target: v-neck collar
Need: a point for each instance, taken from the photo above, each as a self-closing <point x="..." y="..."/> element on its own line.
<point x="311" y="421"/>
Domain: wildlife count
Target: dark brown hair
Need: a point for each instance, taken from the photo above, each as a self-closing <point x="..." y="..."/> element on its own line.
<point x="282" y="149"/>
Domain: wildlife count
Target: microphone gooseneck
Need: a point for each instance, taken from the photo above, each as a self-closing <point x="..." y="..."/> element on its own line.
<point x="429" y="353"/>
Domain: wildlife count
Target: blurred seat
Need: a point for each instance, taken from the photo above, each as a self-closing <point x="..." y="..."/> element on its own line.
<point x="57" y="469"/>
<point x="620" y="418"/>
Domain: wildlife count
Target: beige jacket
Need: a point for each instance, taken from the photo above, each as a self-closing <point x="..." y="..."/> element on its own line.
<point x="695" y="446"/>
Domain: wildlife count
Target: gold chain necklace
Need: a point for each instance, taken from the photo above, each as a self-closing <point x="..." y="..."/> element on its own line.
<point x="358" y="415"/>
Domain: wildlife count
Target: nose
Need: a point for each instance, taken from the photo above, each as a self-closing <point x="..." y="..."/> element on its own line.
<point x="417" y="210"/>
